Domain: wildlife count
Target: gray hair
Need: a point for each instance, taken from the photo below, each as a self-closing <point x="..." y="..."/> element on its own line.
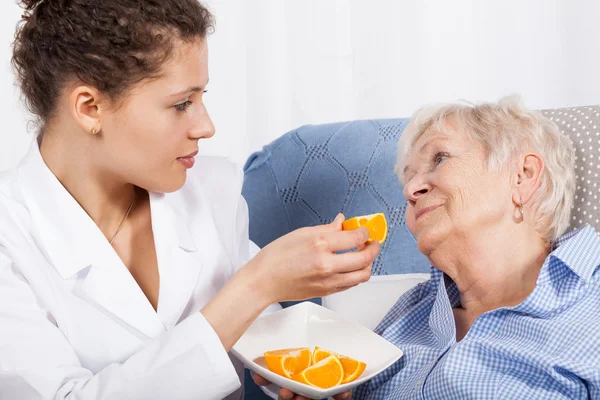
<point x="505" y="129"/>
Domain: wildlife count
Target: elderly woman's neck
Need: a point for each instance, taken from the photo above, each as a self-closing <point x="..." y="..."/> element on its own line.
<point x="493" y="272"/>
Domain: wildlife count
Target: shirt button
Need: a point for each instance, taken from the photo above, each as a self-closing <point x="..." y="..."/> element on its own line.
<point x="418" y="386"/>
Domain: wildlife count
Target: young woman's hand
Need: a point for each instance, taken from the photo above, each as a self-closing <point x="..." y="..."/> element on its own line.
<point x="304" y="264"/>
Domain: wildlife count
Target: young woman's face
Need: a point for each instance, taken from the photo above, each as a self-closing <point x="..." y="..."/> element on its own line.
<point x="150" y="140"/>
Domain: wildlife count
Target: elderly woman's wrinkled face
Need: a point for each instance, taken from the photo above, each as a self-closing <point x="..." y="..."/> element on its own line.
<point x="452" y="196"/>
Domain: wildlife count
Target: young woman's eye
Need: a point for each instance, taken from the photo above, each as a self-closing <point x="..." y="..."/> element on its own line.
<point x="183" y="106"/>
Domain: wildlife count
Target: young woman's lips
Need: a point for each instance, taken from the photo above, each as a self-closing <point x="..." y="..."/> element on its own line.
<point x="188" y="161"/>
<point x="425" y="210"/>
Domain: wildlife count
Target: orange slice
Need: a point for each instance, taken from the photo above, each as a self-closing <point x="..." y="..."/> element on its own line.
<point x="325" y="374"/>
<point x="288" y="362"/>
<point x="319" y="354"/>
<point x="375" y="223"/>
<point x="352" y="368"/>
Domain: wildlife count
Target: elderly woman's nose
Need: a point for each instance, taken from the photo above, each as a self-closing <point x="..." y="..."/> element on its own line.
<point x="415" y="188"/>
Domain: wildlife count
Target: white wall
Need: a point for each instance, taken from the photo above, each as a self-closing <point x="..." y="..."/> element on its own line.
<point x="278" y="64"/>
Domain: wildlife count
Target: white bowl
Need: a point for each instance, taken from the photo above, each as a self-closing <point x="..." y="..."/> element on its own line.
<point x="309" y="325"/>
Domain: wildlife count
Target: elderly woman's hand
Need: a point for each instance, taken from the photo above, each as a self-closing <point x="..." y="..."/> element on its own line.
<point x="289" y="395"/>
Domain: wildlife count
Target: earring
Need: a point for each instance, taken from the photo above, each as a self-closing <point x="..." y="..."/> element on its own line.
<point x="94" y="131"/>
<point x="521" y="209"/>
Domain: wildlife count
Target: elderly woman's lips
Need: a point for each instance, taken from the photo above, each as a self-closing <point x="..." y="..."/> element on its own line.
<point x="426" y="210"/>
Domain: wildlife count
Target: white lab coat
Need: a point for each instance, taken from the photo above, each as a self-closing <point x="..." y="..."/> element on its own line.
<point x="74" y="324"/>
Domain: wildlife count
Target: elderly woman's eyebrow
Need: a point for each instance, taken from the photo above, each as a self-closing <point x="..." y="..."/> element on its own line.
<point x="431" y="141"/>
<point x="406" y="172"/>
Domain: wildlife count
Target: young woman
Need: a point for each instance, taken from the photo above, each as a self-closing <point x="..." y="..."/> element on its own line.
<point x="126" y="271"/>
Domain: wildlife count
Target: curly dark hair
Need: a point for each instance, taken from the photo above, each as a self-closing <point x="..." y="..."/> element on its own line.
<point x="109" y="44"/>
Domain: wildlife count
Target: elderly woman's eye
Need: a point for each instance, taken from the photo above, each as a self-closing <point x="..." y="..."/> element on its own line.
<point x="439" y="157"/>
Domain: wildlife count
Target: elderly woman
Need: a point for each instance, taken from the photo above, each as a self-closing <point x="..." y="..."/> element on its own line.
<point x="512" y="309"/>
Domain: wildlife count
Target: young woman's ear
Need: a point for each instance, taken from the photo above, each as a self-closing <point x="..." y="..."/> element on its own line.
<point x="84" y="105"/>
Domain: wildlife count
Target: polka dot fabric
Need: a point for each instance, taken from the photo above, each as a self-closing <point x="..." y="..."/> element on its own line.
<point x="582" y="125"/>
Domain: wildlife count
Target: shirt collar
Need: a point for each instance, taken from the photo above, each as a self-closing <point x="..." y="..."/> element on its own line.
<point x="68" y="234"/>
<point x="441" y="281"/>
<point x="578" y="250"/>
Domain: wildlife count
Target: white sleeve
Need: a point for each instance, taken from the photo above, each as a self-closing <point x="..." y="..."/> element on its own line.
<point x="38" y="362"/>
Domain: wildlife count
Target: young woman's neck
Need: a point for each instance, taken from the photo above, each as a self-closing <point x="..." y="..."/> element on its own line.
<point x="73" y="157"/>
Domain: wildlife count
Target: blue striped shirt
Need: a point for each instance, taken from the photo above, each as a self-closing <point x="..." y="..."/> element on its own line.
<point x="547" y="347"/>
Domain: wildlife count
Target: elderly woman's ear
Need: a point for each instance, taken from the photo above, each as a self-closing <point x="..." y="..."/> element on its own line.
<point x="528" y="179"/>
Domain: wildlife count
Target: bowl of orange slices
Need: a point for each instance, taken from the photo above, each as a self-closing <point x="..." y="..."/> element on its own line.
<point x="318" y="368"/>
<point x="313" y="351"/>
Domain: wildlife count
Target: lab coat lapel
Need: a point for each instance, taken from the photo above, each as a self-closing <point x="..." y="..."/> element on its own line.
<point x="116" y="292"/>
<point x="178" y="258"/>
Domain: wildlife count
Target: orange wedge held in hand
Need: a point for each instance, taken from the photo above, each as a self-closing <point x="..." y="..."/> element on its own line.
<point x="288" y="362"/>
<point x="352" y="368"/>
<point x="325" y="374"/>
<point x="375" y="223"/>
